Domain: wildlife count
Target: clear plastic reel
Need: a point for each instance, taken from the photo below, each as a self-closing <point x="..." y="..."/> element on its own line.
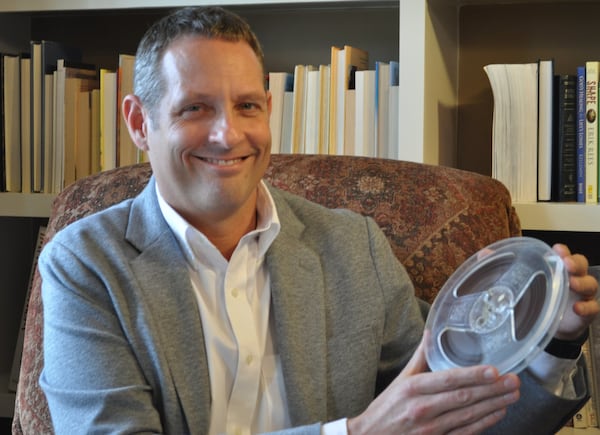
<point x="501" y="307"/>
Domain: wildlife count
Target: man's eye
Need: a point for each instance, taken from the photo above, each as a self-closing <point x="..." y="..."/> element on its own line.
<point x="193" y="108"/>
<point x="249" y="106"/>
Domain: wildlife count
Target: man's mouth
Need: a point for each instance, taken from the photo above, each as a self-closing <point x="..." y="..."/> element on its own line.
<point x="222" y="162"/>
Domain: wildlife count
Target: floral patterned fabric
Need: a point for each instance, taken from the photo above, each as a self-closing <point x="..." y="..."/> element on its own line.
<point x="434" y="217"/>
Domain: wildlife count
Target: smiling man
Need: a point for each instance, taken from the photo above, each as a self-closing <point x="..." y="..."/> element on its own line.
<point x="213" y="303"/>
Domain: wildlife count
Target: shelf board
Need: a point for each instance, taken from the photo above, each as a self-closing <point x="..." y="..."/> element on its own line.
<point x="555" y="216"/>
<point x="25" y="204"/>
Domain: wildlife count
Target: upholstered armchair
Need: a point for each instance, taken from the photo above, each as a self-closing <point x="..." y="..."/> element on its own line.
<point x="434" y="217"/>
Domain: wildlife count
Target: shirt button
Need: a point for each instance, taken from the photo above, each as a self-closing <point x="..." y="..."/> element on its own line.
<point x="249" y="359"/>
<point x="235" y="292"/>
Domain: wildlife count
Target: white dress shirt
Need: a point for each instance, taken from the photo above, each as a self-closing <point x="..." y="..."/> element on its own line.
<point x="247" y="388"/>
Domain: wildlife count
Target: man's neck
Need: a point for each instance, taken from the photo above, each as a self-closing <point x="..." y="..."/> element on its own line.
<point x="226" y="234"/>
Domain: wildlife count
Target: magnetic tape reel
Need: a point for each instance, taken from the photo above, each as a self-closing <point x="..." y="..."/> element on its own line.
<point x="501" y="307"/>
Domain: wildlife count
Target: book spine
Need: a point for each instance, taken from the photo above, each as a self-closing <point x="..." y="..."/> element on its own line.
<point x="566" y="140"/>
<point x="545" y="129"/>
<point x="591" y="132"/>
<point x="581" y="134"/>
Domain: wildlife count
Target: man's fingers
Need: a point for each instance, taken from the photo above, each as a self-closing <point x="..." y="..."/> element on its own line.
<point x="418" y="362"/>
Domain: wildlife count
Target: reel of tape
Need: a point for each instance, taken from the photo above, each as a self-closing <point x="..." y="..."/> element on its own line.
<point x="500" y="307"/>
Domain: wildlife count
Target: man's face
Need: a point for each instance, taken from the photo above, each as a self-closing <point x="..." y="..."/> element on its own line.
<point x="210" y="144"/>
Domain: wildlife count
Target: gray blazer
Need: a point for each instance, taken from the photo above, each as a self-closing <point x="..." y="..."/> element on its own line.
<point x="123" y="342"/>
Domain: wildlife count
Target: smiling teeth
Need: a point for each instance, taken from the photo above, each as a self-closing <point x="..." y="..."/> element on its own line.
<point x="223" y="162"/>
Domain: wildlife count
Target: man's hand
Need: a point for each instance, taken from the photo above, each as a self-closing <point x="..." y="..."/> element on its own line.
<point x="584" y="306"/>
<point x="456" y="401"/>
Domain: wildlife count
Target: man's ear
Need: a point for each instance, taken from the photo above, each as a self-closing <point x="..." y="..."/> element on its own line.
<point x="269" y="102"/>
<point x="137" y="120"/>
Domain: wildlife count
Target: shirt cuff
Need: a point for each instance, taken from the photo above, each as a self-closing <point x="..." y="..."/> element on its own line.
<point x="555" y="374"/>
<point x="337" y="427"/>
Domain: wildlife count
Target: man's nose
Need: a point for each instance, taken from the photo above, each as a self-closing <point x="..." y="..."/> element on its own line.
<point x="225" y="128"/>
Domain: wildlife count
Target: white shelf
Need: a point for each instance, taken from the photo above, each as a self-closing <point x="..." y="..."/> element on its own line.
<point x="553" y="216"/>
<point x="25" y="204"/>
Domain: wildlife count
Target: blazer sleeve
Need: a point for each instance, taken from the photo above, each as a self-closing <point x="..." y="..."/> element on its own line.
<point x="539" y="411"/>
<point x="90" y="376"/>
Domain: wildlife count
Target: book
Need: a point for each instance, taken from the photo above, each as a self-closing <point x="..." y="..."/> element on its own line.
<point x="343" y="62"/>
<point x="58" y="124"/>
<point x="127" y="150"/>
<point x="286" y="122"/>
<point x="11" y="121"/>
<point x="299" y="107"/>
<point x="44" y="58"/>
<point x="279" y="83"/>
<point x="332" y="145"/>
<point x="83" y="131"/>
<point x="365" y="135"/>
<point x="13" y="379"/>
<point x="545" y="128"/>
<point x="581" y="134"/>
<point x="393" y="111"/>
<point x="36" y="116"/>
<point x="382" y="101"/>
<point x="108" y="119"/>
<point x="25" y="123"/>
<point x="393" y="114"/>
<point x="77" y="118"/>
<point x="350" y="123"/>
<point x="48" y="133"/>
<point x="313" y="112"/>
<point x="70" y="79"/>
<point x="324" y="81"/>
<point x="591" y="132"/>
<point x="95" y="165"/>
<point x="515" y="127"/>
<point x="564" y="160"/>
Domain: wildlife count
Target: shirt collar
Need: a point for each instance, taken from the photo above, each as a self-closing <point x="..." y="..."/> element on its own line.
<point x="267" y="225"/>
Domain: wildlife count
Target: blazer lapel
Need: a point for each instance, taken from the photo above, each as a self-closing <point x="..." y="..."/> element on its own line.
<point x="164" y="280"/>
<point x="297" y="294"/>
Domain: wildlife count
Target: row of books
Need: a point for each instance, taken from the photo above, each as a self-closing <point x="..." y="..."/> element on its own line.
<point x="60" y="117"/>
<point x="545" y="131"/>
<point x="341" y="107"/>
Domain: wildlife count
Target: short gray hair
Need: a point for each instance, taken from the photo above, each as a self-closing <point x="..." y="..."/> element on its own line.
<point x="210" y="22"/>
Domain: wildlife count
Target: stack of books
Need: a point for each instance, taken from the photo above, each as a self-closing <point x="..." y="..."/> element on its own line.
<point x="60" y="118"/>
<point x="62" y="122"/>
<point x="341" y="107"/>
<point x="545" y="131"/>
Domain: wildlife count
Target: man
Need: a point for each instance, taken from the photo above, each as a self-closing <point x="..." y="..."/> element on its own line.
<point x="213" y="303"/>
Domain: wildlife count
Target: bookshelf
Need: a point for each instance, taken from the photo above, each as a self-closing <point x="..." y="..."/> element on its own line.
<point x="445" y="100"/>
